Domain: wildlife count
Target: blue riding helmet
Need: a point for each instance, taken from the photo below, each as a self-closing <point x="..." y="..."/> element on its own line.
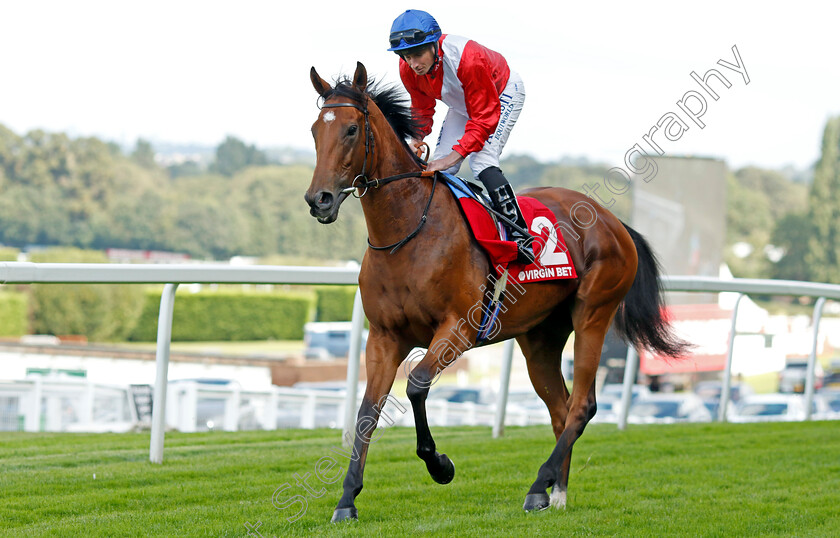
<point x="412" y="29"/>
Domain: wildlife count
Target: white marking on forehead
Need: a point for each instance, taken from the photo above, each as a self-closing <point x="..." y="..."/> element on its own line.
<point x="329" y="116"/>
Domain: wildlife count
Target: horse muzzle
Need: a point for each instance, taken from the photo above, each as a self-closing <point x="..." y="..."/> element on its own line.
<point x="323" y="205"/>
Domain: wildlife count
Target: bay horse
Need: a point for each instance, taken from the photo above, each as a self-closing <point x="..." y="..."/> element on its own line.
<point x="423" y="271"/>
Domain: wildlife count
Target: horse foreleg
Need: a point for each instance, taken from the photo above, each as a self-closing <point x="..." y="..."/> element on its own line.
<point x="445" y="348"/>
<point x="382" y="359"/>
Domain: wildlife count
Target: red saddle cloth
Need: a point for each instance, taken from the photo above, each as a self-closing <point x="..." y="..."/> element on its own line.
<point x="552" y="259"/>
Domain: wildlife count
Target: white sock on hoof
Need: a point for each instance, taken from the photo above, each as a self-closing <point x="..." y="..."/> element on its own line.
<point x="558" y="497"/>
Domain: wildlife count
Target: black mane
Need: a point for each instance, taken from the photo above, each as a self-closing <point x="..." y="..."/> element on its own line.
<point x="390" y="99"/>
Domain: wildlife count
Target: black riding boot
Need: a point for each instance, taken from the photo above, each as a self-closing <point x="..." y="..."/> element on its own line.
<point x="504" y="201"/>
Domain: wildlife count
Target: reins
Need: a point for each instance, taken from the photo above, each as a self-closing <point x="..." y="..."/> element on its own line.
<point x="393" y="247"/>
<point x="366" y="183"/>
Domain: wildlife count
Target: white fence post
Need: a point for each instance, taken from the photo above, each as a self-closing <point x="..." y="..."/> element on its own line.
<point x="188" y="407"/>
<point x="812" y="359"/>
<point x="32" y="422"/>
<point x="468" y="414"/>
<point x="727" y="371"/>
<point x="353" y="359"/>
<point x="504" y="388"/>
<point x="53" y="417"/>
<point x="307" y="416"/>
<point x="270" y="414"/>
<point x="86" y="411"/>
<point x="630" y="366"/>
<point x="167" y="306"/>
<point x="232" y="405"/>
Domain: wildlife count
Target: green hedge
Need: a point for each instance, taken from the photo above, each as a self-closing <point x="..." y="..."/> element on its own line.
<point x="101" y="312"/>
<point x="13" y="314"/>
<point x="335" y="303"/>
<point x="8" y="254"/>
<point x="229" y="315"/>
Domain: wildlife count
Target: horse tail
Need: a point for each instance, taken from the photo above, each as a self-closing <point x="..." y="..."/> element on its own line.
<point x="640" y="320"/>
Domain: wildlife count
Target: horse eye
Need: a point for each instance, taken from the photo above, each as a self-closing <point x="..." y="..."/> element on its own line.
<point x="352" y="130"/>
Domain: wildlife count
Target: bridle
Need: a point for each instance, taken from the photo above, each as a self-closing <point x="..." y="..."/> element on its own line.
<point x="368" y="146"/>
<point x="366" y="183"/>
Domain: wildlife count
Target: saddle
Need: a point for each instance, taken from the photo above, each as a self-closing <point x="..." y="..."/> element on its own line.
<point x="551" y="261"/>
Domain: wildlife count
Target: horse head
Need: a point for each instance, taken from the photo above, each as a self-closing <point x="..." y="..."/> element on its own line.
<point x="343" y="144"/>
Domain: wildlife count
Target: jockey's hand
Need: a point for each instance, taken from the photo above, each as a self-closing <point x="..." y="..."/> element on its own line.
<point x="445" y="163"/>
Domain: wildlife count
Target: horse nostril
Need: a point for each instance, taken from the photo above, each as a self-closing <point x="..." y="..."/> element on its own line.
<point x="325" y="199"/>
<point x="319" y="200"/>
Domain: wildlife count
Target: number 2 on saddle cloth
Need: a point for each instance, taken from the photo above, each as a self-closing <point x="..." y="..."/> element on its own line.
<point x="551" y="260"/>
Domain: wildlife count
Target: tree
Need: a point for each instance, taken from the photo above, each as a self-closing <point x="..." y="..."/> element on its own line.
<point x="823" y="253"/>
<point x="792" y="233"/>
<point x="762" y="208"/>
<point x="523" y="170"/>
<point x="233" y="155"/>
<point x="186" y="168"/>
<point x="784" y="195"/>
<point x="144" y="154"/>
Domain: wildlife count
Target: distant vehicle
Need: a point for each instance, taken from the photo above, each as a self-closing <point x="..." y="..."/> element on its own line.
<point x="608" y="409"/>
<point x="668" y="408"/>
<point x="710" y="391"/>
<point x="526" y="400"/>
<point x="792" y="377"/>
<point x="831" y="398"/>
<point x="616" y="389"/>
<point x="832" y="379"/>
<point x="523" y="396"/>
<point x="482" y="397"/>
<point x="451" y="393"/>
<point x="324" y="340"/>
<point x="770" y="408"/>
<point x="206" y="381"/>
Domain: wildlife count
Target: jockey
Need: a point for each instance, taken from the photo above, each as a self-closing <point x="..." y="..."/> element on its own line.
<point x="484" y="97"/>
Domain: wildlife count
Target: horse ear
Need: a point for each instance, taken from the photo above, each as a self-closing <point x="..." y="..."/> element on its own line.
<point x="321" y="86"/>
<point x="360" y="80"/>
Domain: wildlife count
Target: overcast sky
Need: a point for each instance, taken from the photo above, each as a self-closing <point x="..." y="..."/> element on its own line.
<point x="598" y="75"/>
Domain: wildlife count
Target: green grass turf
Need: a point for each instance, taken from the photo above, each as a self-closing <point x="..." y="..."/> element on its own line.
<point x="678" y="480"/>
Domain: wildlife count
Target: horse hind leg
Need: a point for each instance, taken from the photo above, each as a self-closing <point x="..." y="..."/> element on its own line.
<point x="543" y="350"/>
<point x="591" y="324"/>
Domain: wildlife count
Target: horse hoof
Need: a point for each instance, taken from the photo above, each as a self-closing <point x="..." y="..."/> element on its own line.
<point x="447" y="471"/>
<point x="345" y="514"/>
<point x="536" y="502"/>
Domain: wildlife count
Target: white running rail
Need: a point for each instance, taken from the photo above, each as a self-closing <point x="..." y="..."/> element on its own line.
<point x="172" y="275"/>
